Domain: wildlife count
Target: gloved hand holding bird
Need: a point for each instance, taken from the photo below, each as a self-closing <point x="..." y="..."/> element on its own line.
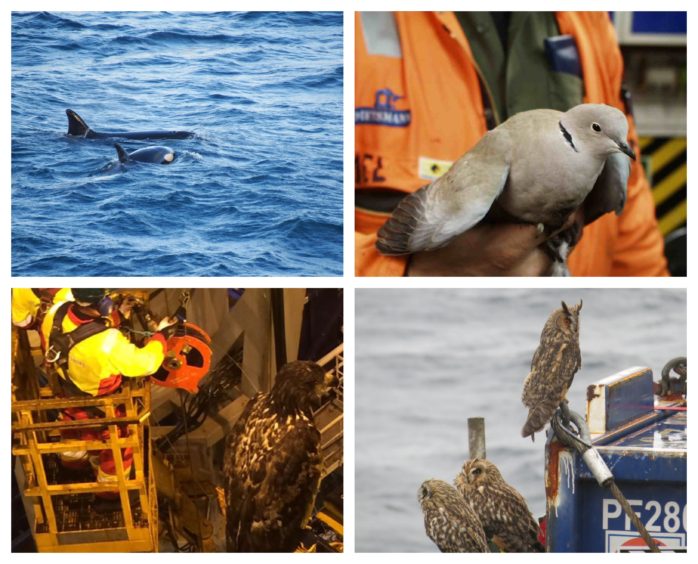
<point x="538" y="167"/>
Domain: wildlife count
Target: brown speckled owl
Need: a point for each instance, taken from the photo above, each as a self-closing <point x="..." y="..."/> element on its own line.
<point x="448" y="520"/>
<point x="501" y="509"/>
<point x="553" y="367"/>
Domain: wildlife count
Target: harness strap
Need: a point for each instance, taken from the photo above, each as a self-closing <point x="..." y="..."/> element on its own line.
<point x="60" y="343"/>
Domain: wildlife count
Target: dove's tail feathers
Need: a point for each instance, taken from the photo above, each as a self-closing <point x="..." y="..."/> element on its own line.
<point x="400" y="234"/>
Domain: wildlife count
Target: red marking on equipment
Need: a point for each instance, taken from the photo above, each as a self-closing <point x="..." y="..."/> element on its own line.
<point x="638" y="541"/>
<point x="542" y="528"/>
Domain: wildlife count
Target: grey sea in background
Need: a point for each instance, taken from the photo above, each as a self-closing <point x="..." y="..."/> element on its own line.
<point x="426" y="360"/>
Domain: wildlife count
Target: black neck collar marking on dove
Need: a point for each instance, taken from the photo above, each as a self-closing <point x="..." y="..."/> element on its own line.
<point x="567" y="136"/>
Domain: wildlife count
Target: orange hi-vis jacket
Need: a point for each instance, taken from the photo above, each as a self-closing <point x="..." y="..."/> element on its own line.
<point x="420" y="108"/>
<point x="97" y="364"/>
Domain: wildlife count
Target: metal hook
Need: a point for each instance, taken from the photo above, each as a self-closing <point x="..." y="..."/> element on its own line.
<point x="579" y="439"/>
<point x="52" y="355"/>
<point x="669" y="385"/>
<point x="184" y="298"/>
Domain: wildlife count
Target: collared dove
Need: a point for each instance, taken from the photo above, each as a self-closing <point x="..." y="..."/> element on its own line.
<point x="537" y="167"/>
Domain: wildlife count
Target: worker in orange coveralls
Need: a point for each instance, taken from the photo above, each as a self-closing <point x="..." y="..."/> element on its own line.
<point x="93" y="363"/>
<point x="429" y="85"/>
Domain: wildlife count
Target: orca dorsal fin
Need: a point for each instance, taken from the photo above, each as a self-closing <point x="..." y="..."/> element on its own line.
<point x="76" y="125"/>
<point x="123" y="155"/>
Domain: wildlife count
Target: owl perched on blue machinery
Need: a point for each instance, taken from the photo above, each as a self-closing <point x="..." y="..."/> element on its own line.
<point x="555" y="362"/>
<point x="502" y="510"/>
<point x="449" y="522"/>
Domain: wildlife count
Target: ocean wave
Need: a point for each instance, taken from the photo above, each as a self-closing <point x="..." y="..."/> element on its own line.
<point x="48" y="19"/>
<point x="258" y="190"/>
<point x="331" y="79"/>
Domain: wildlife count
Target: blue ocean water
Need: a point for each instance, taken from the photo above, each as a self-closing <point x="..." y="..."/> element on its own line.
<point x="428" y="359"/>
<point x="257" y="191"/>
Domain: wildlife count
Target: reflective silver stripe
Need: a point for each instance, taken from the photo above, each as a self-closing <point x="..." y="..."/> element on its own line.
<point x="380" y="34"/>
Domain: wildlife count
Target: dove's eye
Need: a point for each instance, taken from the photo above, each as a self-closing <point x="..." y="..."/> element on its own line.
<point x="595" y="126"/>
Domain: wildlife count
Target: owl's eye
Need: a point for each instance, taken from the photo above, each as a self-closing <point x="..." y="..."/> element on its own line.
<point x="595" y="126"/>
<point x="425" y="492"/>
<point x="476" y="471"/>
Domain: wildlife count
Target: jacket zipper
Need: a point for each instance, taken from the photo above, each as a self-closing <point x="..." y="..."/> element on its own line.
<point x="485" y="86"/>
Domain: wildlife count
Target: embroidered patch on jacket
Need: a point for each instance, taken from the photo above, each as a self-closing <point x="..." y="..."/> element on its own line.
<point x="431" y="169"/>
<point x="383" y="111"/>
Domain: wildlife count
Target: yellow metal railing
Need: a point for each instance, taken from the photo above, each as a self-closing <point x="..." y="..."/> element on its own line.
<point x="329" y="418"/>
<point x="38" y="438"/>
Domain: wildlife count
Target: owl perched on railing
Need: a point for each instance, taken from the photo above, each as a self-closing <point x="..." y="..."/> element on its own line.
<point x="553" y="367"/>
<point x="502" y="510"/>
<point x="448" y="520"/>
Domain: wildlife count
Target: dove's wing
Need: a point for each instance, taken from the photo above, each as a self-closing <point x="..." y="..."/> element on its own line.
<point x="433" y="215"/>
<point x="610" y="190"/>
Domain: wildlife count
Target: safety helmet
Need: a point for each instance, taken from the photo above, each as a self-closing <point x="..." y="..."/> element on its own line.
<point x="89" y="295"/>
<point x="188" y="359"/>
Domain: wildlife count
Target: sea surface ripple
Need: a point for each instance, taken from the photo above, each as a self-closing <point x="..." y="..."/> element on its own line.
<point x="256" y="192"/>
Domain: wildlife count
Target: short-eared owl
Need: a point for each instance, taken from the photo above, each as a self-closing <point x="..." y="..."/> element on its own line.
<point x="553" y="367"/>
<point x="501" y="509"/>
<point x="448" y="520"/>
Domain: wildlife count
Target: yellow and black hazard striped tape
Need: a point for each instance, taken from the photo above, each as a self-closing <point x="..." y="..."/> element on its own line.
<point x="664" y="159"/>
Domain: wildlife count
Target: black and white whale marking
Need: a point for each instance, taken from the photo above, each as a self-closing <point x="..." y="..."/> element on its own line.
<point x="78" y="128"/>
<point x="156" y="154"/>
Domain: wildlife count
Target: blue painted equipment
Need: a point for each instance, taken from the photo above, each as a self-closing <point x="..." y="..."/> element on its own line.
<point x="642" y="440"/>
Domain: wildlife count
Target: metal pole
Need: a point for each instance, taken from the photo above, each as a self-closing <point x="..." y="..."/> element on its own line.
<point x="278" y="315"/>
<point x="476" y="437"/>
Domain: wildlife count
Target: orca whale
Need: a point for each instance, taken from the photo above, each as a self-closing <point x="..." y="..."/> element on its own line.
<point x="155" y="154"/>
<point x="78" y="128"/>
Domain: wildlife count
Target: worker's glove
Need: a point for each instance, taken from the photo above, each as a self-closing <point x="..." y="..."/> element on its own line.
<point x="128" y="304"/>
<point x="167" y="326"/>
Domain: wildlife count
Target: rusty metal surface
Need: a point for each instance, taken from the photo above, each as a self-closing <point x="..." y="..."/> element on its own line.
<point x="648" y="459"/>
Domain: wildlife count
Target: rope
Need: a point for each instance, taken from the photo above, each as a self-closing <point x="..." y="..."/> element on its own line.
<point x="137" y="332"/>
<point x="579" y="439"/>
<point x="651" y="543"/>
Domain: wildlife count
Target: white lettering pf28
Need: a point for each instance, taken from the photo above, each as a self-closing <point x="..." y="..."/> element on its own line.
<point x="668" y="518"/>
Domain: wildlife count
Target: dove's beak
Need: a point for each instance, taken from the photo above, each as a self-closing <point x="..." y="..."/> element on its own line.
<point x="627" y="149"/>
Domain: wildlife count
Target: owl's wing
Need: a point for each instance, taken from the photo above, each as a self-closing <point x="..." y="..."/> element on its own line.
<point x="576" y="362"/>
<point x="446" y="532"/>
<point x="528" y="395"/>
<point x="517" y="526"/>
<point x="559" y="363"/>
<point x="554" y="368"/>
<point x="527" y="398"/>
<point x="470" y="532"/>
